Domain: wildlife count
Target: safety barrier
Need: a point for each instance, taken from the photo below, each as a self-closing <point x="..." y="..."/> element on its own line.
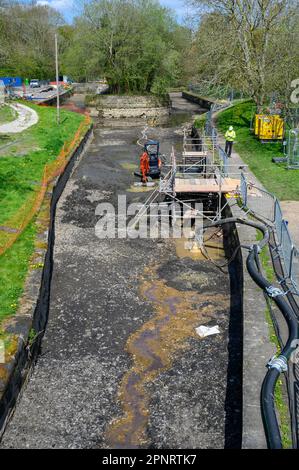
<point x="208" y="125"/>
<point x="21" y="219"/>
<point x="224" y="161"/>
<point x="288" y="249"/>
<point x="278" y="220"/>
<point x="266" y="206"/>
<point x="263" y="204"/>
<point x="243" y="189"/>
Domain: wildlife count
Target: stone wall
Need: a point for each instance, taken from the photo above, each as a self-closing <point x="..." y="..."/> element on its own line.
<point x="203" y="102"/>
<point x="128" y="107"/>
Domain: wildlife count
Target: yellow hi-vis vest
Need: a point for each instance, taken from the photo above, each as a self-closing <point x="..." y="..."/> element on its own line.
<point x="230" y="136"/>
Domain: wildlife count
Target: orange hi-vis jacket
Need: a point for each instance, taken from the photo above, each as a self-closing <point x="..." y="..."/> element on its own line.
<point x="144" y="165"/>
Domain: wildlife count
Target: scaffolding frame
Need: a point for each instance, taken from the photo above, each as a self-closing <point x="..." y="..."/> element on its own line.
<point x="209" y="163"/>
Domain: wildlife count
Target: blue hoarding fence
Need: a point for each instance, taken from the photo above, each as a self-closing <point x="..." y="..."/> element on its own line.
<point x="12" y="81"/>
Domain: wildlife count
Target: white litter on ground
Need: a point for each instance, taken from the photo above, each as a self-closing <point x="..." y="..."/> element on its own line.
<point x="203" y="331"/>
<point x="109" y="143"/>
<point x="27" y="117"/>
<point x="148" y="185"/>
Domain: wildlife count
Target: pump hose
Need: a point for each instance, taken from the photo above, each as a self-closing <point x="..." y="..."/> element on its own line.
<point x="278" y="364"/>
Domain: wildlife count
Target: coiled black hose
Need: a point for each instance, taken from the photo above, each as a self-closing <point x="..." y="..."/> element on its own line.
<point x="278" y="364"/>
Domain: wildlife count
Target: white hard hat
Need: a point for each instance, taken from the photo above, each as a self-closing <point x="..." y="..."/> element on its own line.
<point x="230" y="128"/>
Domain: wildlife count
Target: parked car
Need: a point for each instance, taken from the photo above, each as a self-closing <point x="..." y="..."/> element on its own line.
<point x="34" y="83"/>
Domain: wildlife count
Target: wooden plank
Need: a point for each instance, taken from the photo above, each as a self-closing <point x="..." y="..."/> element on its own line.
<point x="194" y="154"/>
<point x="200" y="185"/>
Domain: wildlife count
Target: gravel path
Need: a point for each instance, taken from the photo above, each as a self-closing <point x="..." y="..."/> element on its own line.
<point x="27" y="117"/>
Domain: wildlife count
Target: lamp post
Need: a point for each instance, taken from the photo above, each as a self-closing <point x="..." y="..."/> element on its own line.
<point x="57" y="81"/>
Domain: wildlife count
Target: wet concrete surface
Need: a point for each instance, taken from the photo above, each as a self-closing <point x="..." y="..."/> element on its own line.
<point x="76" y="103"/>
<point x="121" y="364"/>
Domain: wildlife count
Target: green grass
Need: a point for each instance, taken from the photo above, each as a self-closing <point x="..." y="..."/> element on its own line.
<point x="275" y="177"/>
<point x="24" y="156"/>
<point x="7" y="114"/>
<point x="22" y="164"/>
<point x="13" y="269"/>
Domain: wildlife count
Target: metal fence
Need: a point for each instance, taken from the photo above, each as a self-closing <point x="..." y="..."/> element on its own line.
<point x="266" y="206"/>
<point x="209" y="125"/>
<point x="293" y="149"/>
<point x="278" y="220"/>
<point x="288" y="250"/>
<point x="243" y="189"/>
<point x="224" y="161"/>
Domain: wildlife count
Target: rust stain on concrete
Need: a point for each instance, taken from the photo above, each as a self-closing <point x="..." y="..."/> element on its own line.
<point x="153" y="348"/>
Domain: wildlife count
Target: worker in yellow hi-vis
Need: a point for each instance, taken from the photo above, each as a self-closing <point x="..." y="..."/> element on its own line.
<point x="230" y="137"/>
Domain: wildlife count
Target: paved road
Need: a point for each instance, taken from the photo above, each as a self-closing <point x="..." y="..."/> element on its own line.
<point x="121" y="363"/>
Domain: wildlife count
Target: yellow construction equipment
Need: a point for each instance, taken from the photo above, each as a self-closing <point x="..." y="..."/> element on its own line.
<point x="268" y="127"/>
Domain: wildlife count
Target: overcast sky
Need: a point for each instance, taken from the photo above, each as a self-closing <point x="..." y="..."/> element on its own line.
<point x="66" y="7"/>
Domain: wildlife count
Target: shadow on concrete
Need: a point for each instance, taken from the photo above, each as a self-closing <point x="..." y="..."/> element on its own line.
<point x="233" y="400"/>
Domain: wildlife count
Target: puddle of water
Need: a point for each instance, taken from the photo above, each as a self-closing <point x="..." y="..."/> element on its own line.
<point x="112" y="143"/>
<point x="177" y="119"/>
<point x="213" y="246"/>
<point x="189" y="248"/>
<point x="140" y="189"/>
<point x="153" y="349"/>
<point x="129" y="166"/>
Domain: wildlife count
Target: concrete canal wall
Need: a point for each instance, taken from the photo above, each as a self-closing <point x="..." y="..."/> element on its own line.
<point x="127" y="107"/>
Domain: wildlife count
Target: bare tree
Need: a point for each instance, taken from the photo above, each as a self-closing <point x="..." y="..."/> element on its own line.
<point x="253" y="22"/>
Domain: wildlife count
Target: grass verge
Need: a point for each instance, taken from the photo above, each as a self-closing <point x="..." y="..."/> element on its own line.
<point x="23" y="156"/>
<point x="7" y="114"/>
<point x="13" y="269"/>
<point x="275" y="177"/>
<point x="21" y="168"/>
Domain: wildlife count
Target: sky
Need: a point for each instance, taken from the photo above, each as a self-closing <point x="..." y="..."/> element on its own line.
<point x="68" y="10"/>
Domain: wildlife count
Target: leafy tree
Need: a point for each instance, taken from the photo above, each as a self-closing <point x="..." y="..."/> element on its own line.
<point x="27" y="40"/>
<point x="130" y="42"/>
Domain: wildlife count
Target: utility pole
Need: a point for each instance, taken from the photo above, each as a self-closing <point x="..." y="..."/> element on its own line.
<point x="57" y="80"/>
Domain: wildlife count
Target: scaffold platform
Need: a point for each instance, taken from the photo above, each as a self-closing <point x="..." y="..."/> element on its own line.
<point x="210" y="185"/>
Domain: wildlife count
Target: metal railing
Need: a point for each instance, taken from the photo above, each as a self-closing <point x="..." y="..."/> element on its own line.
<point x="209" y="125"/>
<point x="243" y="189"/>
<point x="293" y="149"/>
<point x="224" y="161"/>
<point x="266" y="206"/>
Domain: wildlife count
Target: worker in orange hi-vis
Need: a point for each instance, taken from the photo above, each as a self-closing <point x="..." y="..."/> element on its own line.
<point x="144" y="166"/>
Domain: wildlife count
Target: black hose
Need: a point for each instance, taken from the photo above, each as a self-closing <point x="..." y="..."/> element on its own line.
<point x="279" y="364"/>
<point x="270" y="422"/>
<point x="268" y="388"/>
<point x="283" y="306"/>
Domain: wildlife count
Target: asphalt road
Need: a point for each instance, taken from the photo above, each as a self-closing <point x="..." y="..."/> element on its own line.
<point x="121" y="363"/>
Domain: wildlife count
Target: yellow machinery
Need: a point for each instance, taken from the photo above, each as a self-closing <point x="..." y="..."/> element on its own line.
<point x="269" y="127"/>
